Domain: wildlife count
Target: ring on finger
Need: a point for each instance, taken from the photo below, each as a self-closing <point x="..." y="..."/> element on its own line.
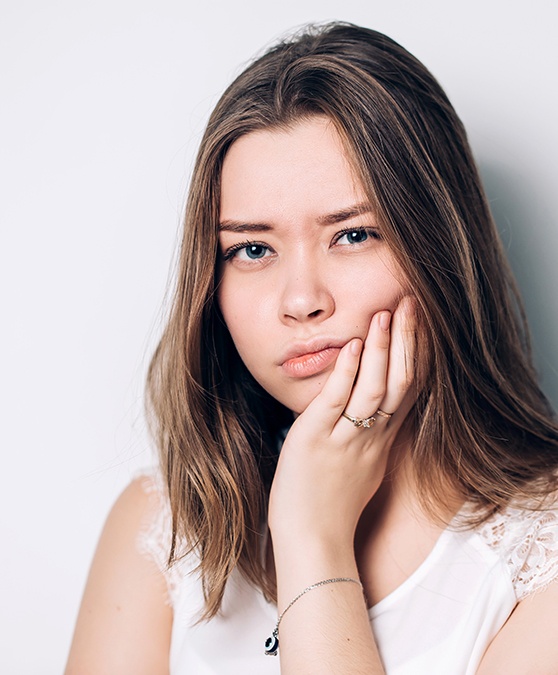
<point x="381" y="413"/>
<point x="360" y="422"/>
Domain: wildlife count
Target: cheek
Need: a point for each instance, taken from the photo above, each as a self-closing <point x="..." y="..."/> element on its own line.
<point x="246" y="316"/>
<point x="373" y="292"/>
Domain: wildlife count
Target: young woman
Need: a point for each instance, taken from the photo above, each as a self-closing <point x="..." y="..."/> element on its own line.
<point x="356" y="460"/>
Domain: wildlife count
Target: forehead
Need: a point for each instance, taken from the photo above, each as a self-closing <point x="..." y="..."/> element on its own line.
<point x="275" y="173"/>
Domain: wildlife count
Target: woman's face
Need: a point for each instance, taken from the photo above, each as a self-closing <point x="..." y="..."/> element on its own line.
<point x="303" y="264"/>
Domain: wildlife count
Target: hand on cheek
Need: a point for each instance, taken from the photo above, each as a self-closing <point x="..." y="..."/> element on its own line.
<point x="329" y="468"/>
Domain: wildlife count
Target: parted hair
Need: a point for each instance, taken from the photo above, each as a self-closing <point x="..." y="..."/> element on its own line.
<point x="480" y="423"/>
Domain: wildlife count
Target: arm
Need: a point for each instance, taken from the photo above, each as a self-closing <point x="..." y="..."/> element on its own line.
<point x="527" y="643"/>
<point x="327" y="472"/>
<point x="124" y="622"/>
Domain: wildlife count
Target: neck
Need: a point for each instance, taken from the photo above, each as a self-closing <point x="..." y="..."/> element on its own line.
<point x="401" y="498"/>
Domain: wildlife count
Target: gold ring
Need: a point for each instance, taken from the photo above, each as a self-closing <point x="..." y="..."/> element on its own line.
<point x="359" y="422"/>
<point x="381" y="413"/>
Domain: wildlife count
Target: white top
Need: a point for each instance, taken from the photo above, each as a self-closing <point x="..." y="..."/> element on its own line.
<point x="438" y="622"/>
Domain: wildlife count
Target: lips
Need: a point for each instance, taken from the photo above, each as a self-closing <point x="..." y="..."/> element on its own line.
<point x="310" y="359"/>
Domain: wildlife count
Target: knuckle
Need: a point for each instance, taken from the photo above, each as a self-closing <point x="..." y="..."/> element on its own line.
<point x="382" y="343"/>
<point x="402" y="387"/>
<point x="338" y="404"/>
<point x="405" y="382"/>
<point x="377" y="393"/>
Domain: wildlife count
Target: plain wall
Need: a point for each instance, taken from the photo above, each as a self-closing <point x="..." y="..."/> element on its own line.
<point x="102" y="107"/>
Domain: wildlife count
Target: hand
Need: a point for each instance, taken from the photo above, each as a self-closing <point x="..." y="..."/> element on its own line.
<point x="328" y="469"/>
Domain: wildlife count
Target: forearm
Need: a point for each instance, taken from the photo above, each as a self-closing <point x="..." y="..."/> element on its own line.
<point x="328" y="629"/>
<point x="328" y="471"/>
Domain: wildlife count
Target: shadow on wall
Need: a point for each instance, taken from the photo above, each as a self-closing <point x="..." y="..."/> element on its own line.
<point x="528" y="228"/>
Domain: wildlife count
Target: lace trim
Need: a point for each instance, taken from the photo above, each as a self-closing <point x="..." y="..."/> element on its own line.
<point x="528" y="542"/>
<point x="154" y="538"/>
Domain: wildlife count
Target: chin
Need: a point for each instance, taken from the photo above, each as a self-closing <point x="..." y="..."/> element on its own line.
<point x="298" y="403"/>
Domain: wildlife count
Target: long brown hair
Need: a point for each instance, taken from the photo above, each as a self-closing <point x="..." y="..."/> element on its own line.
<point x="482" y="424"/>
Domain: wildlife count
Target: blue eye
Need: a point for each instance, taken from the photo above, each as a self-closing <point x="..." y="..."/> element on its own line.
<point x="357" y="236"/>
<point x="246" y="251"/>
<point x="255" y="251"/>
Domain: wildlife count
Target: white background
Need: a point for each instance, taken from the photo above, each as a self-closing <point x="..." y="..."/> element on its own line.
<point x="101" y="108"/>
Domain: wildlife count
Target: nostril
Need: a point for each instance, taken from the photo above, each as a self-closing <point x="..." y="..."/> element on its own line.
<point x="305" y="300"/>
<point x="315" y="313"/>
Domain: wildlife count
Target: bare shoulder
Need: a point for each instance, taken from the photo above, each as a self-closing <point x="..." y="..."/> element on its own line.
<point x="527" y="645"/>
<point x="124" y="622"/>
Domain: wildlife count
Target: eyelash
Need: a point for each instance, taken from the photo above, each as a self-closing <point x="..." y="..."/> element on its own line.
<point x="371" y="231"/>
<point x="233" y="250"/>
<point x="241" y="245"/>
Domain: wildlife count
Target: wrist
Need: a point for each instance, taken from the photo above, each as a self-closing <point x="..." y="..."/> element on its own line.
<point x="300" y="564"/>
<point x="329" y="544"/>
<point x="272" y="643"/>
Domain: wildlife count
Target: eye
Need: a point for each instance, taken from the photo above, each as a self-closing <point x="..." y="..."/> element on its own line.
<point x="246" y="251"/>
<point x="355" y="236"/>
<point x="254" y="251"/>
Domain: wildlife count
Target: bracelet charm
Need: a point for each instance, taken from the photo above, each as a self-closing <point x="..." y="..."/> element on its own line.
<point x="272" y="642"/>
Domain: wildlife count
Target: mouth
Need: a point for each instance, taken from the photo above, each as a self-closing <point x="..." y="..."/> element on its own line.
<point x="308" y="361"/>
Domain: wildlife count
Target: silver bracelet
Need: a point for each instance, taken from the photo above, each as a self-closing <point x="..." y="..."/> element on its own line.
<point x="272" y="642"/>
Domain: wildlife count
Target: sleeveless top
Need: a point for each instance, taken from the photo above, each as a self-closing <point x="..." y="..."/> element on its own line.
<point x="439" y="621"/>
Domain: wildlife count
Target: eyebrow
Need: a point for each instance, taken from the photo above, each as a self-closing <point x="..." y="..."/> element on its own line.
<point x="328" y="219"/>
<point x="241" y="226"/>
<point x="345" y="214"/>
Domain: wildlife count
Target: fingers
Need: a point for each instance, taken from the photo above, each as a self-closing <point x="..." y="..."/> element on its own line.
<point x="387" y="364"/>
<point x="373" y="375"/>
<point x="401" y="355"/>
<point x="328" y="406"/>
<point x="370" y="387"/>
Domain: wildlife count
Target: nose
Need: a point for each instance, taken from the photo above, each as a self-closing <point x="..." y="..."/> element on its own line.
<point x="305" y="296"/>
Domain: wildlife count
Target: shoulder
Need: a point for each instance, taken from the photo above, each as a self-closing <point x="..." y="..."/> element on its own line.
<point x="155" y="533"/>
<point x="137" y="504"/>
<point x="527" y="541"/>
<point x="140" y="522"/>
<point x="124" y="621"/>
<point x="527" y="642"/>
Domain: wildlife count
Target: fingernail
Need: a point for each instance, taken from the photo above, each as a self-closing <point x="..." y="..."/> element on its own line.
<point x="356" y="347"/>
<point x="385" y="318"/>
